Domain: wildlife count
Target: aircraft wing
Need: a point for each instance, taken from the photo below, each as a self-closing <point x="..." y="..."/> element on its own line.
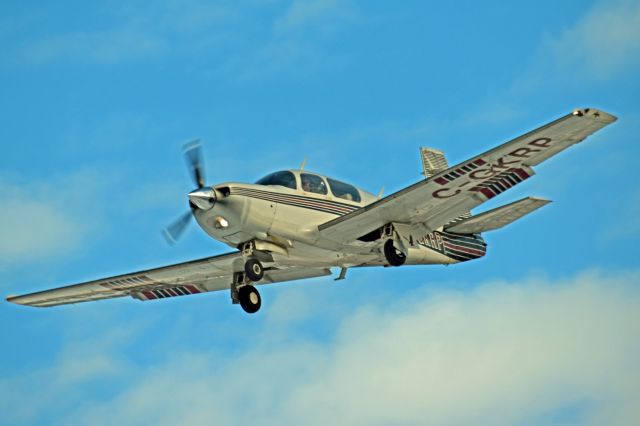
<point x="197" y="276"/>
<point x="496" y="218"/>
<point x="436" y="201"/>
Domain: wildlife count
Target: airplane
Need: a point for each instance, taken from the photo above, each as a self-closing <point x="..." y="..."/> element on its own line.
<point x="295" y="224"/>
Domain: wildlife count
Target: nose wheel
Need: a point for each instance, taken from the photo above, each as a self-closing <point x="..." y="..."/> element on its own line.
<point x="254" y="269"/>
<point x="249" y="299"/>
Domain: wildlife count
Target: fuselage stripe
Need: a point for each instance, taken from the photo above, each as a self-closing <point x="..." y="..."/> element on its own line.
<point x="295" y="197"/>
<point x="464" y="249"/>
<point x="297" y="201"/>
<point x="462" y="243"/>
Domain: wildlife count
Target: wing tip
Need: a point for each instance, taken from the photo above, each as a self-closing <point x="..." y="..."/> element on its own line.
<point x="14" y="299"/>
<point x="595" y="114"/>
<point x="23" y="300"/>
<point x="539" y="199"/>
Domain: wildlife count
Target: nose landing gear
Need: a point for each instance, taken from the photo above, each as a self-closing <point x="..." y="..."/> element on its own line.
<point x="249" y="299"/>
<point x="394" y="256"/>
<point x="242" y="290"/>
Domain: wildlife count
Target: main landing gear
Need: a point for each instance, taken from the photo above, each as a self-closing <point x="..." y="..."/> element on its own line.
<point x="394" y="256"/>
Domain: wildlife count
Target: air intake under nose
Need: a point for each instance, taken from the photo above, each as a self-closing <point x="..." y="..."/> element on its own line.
<point x="203" y="198"/>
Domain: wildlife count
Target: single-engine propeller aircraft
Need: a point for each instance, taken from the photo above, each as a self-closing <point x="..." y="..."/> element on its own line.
<point x="294" y="224"/>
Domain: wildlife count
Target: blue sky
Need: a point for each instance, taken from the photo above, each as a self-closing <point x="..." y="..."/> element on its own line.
<point x="97" y="99"/>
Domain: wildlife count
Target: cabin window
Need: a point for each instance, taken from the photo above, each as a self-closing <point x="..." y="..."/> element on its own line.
<point x="344" y="190"/>
<point x="313" y="183"/>
<point x="284" y="178"/>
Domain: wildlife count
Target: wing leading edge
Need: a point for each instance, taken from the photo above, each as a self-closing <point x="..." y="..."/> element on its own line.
<point x="434" y="202"/>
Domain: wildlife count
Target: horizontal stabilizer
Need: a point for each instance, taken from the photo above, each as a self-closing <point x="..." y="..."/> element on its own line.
<point x="498" y="217"/>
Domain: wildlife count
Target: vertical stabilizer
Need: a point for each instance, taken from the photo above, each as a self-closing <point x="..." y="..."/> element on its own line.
<point x="434" y="162"/>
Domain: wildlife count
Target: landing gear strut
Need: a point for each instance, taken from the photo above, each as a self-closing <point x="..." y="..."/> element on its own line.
<point x="242" y="291"/>
<point x="394" y="256"/>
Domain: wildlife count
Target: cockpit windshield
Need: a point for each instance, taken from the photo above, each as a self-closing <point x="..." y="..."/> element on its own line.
<point x="344" y="190"/>
<point x="283" y="178"/>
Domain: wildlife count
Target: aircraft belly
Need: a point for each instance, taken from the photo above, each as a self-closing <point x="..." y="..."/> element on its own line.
<point x="295" y="223"/>
<point x="424" y="256"/>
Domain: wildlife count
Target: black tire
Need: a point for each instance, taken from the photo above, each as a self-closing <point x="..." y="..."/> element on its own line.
<point x="250" y="299"/>
<point x="393" y="255"/>
<point x="254" y="270"/>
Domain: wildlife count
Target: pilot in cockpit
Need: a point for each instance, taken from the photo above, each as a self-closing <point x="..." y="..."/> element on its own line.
<point x="312" y="183"/>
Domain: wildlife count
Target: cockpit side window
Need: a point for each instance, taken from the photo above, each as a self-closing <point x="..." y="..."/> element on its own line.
<point x="344" y="190"/>
<point x="313" y="183"/>
<point x="284" y="178"/>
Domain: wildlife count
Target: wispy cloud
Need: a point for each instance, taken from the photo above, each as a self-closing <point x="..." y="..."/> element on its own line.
<point x="318" y="15"/>
<point x="46" y="219"/>
<point x="128" y="33"/>
<point x="297" y="40"/>
<point x="243" y="47"/>
<point x="604" y="42"/>
<point x="509" y="353"/>
<point x="79" y="363"/>
<point x="104" y="47"/>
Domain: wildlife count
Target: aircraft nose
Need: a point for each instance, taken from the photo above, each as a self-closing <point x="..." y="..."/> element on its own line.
<point x="203" y="198"/>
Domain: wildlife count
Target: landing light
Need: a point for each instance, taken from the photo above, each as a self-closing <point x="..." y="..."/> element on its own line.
<point x="221" y="223"/>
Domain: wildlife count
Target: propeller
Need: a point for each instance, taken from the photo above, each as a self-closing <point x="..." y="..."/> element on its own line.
<point x="193" y="155"/>
<point x="173" y="232"/>
<point x="198" y="199"/>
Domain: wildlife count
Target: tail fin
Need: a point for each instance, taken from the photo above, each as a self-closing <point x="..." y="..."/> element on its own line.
<point x="433" y="162"/>
<point x="498" y="217"/>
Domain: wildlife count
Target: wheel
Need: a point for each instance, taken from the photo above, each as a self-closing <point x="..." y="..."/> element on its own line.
<point x="249" y="299"/>
<point x="393" y="255"/>
<point x="254" y="270"/>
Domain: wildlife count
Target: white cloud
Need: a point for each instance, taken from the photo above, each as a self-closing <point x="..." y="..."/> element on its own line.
<point x="602" y="43"/>
<point x="44" y="220"/>
<point x="505" y="353"/>
<point x="243" y="46"/>
<point x="132" y="32"/>
<point x="81" y="362"/>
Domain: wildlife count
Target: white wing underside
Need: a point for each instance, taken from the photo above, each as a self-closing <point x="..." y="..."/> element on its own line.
<point x="197" y="276"/>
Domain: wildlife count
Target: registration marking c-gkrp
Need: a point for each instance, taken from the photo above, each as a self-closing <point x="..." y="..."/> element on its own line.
<point x="503" y="163"/>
